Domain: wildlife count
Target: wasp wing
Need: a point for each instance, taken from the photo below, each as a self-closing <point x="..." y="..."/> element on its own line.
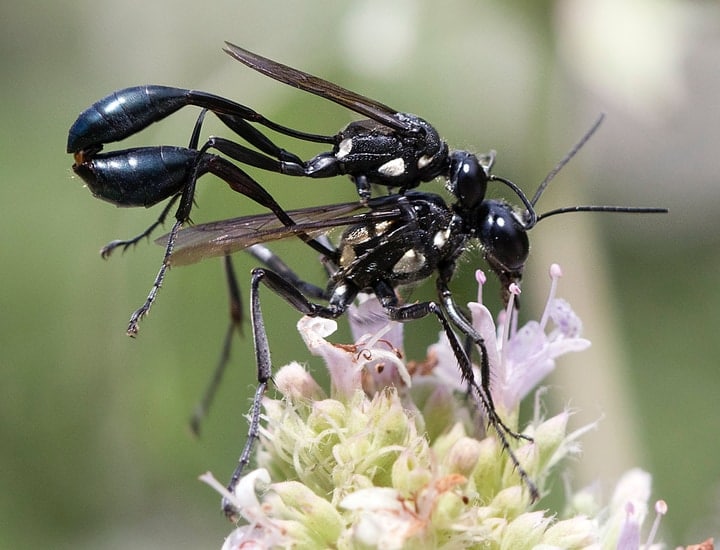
<point x="219" y="238"/>
<point x="315" y="85"/>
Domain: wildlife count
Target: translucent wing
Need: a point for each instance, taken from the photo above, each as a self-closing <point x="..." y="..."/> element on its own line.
<point x="315" y="85"/>
<point x="197" y="242"/>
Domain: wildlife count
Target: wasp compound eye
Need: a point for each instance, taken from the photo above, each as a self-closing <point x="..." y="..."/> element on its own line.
<point x="468" y="179"/>
<point x="503" y="238"/>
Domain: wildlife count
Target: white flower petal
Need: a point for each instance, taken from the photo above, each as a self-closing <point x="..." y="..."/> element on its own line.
<point x="344" y="371"/>
<point x="377" y="498"/>
<point x="635" y="487"/>
<point x="245" y="497"/>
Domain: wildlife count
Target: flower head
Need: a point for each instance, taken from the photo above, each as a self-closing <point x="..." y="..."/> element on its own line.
<point x="396" y="457"/>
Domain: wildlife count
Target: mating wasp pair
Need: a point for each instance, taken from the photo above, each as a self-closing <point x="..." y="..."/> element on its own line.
<point x="388" y="241"/>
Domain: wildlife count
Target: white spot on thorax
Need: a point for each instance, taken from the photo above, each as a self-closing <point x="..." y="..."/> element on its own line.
<point x="410" y="262"/>
<point x="393" y="168"/>
<point x="441" y="238"/>
<point x="344" y="148"/>
<point x="423" y="161"/>
<point x="382" y="227"/>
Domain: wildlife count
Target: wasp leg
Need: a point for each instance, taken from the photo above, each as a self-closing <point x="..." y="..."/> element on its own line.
<point x="403" y="313"/>
<point x="287" y="290"/>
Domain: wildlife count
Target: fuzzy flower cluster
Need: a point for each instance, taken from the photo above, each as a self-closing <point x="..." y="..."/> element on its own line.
<point x="398" y="457"/>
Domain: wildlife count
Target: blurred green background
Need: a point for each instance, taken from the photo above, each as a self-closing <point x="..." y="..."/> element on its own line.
<point x="94" y="446"/>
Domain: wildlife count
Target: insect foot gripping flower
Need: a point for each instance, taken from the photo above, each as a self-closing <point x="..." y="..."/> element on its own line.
<point x="396" y="456"/>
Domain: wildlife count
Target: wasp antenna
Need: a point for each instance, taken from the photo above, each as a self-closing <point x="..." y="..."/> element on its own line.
<point x="618" y="209"/>
<point x="570" y="154"/>
<point x="531" y="214"/>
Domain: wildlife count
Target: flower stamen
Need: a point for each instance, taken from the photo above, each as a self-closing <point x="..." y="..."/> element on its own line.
<point x="661" y="509"/>
<point x="555" y="274"/>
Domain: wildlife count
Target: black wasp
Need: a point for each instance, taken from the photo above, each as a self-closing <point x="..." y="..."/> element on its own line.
<point x="389" y="242"/>
<point x="392" y="149"/>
